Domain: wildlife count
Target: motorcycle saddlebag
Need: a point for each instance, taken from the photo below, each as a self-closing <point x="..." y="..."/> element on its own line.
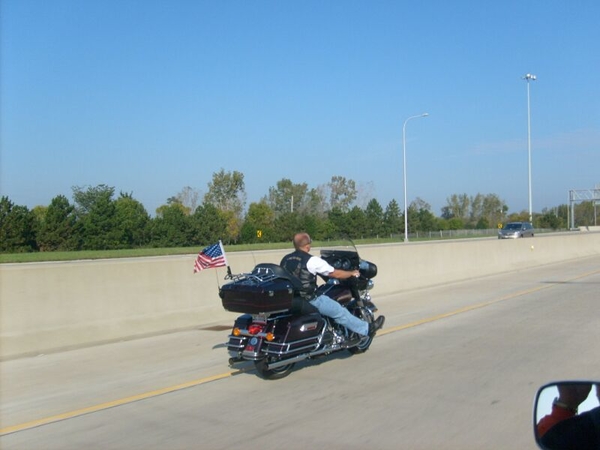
<point x="296" y="334"/>
<point x="265" y="290"/>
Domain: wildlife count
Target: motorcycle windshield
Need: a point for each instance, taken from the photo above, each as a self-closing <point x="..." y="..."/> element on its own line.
<point x="341" y="254"/>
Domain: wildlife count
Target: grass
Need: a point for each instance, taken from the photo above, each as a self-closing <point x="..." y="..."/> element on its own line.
<point x="108" y="254"/>
<point x="141" y="252"/>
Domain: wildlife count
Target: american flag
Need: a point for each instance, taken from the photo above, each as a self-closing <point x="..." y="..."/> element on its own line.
<point x="211" y="256"/>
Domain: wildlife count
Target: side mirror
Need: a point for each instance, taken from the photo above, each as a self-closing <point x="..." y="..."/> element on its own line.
<point x="566" y="415"/>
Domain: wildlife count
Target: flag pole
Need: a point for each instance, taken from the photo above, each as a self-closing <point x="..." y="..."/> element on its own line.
<point x="229" y="276"/>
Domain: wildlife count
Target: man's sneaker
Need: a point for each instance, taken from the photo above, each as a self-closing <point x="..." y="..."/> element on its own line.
<point x="374" y="326"/>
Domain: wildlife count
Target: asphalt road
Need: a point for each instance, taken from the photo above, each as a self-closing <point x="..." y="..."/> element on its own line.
<point x="456" y="367"/>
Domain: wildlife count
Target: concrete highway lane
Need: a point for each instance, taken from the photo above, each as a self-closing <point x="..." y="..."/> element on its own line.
<point x="456" y="367"/>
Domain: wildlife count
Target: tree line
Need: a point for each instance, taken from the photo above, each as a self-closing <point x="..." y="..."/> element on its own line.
<point x="97" y="219"/>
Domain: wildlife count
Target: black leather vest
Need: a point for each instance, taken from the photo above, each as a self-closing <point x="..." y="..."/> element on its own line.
<point x="296" y="264"/>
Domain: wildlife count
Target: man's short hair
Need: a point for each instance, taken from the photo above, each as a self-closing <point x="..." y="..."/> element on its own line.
<point x="301" y="239"/>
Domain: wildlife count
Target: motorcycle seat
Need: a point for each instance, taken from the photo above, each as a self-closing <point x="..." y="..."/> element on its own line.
<point x="302" y="306"/>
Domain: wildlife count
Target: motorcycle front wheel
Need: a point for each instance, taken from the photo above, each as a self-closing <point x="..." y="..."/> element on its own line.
<point x="366" y="341"/>
<point x="272" y="374"/>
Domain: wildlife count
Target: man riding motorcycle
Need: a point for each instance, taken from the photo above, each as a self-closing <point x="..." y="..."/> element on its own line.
<point x="306" y="267"/>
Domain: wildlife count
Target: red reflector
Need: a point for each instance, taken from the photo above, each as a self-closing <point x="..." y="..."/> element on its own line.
<point x="255" y="328"/>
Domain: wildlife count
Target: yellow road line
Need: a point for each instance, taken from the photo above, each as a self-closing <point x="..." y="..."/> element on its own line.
<point x="178" y="387"/>
<point x="458" y="311"/>
<point x="477" y="306"/>
<point x="114" y="403"/>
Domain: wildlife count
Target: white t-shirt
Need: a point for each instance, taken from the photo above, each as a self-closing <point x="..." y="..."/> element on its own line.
<point x="316" y="265"/>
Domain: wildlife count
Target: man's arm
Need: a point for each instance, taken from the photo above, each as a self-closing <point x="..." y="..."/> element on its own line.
<point x="343" y="274"/>
<point x="317" y="265"/>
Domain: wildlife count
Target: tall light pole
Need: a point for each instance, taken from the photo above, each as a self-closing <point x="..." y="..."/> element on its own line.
<point x="404" y="165"/>
<point x="529" y="77"/>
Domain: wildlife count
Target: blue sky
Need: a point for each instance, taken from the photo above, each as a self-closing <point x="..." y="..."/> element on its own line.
<point x="151" y="96"/>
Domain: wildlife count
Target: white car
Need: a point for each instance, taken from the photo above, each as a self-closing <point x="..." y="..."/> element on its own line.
<point x="514" y="230"/>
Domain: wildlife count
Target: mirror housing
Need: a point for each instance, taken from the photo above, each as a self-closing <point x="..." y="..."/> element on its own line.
<point x="566" y="415"/>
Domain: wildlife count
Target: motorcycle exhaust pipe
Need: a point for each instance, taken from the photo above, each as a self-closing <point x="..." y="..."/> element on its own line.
<point x="295" y="359"/>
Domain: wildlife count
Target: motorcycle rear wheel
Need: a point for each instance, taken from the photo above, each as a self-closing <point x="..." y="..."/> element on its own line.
<point x="272" y="374"/>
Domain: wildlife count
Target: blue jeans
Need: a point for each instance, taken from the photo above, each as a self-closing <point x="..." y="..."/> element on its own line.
<point x="330" y="308"/>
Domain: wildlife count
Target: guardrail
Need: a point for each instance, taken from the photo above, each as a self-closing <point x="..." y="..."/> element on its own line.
<point x="51" y="306"/>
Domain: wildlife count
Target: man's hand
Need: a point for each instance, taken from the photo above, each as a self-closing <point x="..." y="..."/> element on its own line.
<point x="573" y="395"/>
<point x="344" y="274"/>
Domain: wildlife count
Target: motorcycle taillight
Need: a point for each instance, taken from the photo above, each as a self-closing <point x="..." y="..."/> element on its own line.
<point x="255" y="328"/>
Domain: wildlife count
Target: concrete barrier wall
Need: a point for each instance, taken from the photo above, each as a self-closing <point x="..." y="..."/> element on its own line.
<point x="49" y="306"/>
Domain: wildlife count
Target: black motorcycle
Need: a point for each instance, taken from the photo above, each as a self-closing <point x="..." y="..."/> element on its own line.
<point x="279" y="328"/>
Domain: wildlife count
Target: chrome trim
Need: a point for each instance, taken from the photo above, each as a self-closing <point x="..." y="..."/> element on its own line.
<point x="294" y="359"/>
<point x="231" y="344"/>
<point x="283" y="348"/>
<point x="288" y="350"/>
<point x="310" y="326"/>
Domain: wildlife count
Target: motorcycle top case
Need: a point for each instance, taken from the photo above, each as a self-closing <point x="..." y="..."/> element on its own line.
<point x="267" y="289"/>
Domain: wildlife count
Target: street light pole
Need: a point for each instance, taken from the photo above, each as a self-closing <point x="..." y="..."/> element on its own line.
<point x="404" y="166"/>
<point x="529" y="77"/>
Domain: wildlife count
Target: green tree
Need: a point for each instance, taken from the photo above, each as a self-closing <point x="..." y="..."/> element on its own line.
<point x="227" y="193"/>
<point x="260" y="219"/>
<point x="446" y="213"/>
<point x="188" y="197"/>
<point x="420" y="217"/>
<point x="338" y="222"/>
<point x="476" y="210"/>
<point x="17" y="228"/>
<point x="549" y="219"/>
<point x="172" y="227"/>
<point x="313" y="224"/>
<point x="286" y="197"/>
<point x="424" y="218"/>
<point x="342" y="193"/>
<point x="100" y="230"/>
<point x="457" y="206"/>
<point x="356" y="223"/>
<point x="286" y="225"/>
<point x="482" y="224"/>
<point x="375" y="218"/>
<point x="290" y="197"/>
<point x="132" y="221"/>
<point x="59" y="230"/>
<point x="96" y="211"/>
<point x="562" y="212"/>
<point x="392" y="219"/>
<point x="39" y="212"/>
<point x="584" y="214"/>
<point x="85" y="197"/>
<point x="453" y="223"/>
<point x="522" y="216"/>
<point x="210" y="224"/>
<point x="493" y="210"/>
